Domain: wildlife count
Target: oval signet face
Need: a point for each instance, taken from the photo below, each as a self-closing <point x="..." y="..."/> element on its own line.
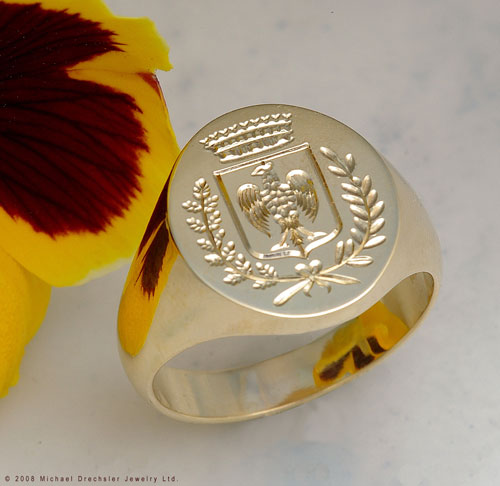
<point x="283" y="210"/>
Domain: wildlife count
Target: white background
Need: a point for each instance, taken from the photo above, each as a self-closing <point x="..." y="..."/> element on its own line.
<point x="419" y="80"/>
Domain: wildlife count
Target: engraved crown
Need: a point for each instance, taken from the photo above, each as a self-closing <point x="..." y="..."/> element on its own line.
<point x="250" y="137"/>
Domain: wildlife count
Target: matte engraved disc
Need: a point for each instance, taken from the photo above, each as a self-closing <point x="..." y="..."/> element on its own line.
<point x="283" y="209"/>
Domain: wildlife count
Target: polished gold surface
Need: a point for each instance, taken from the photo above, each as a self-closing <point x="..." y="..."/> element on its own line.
<point x="288" y="211"/>
<point x="280" y="270"/>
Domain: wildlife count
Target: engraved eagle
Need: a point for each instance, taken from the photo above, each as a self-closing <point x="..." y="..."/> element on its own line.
<point x="281" y="201"/>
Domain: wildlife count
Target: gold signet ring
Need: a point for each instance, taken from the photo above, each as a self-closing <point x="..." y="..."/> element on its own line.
<point x="284" y="256"/>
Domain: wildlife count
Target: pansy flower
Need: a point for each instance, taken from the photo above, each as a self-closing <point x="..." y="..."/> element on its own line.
<point x="85" y="148"/>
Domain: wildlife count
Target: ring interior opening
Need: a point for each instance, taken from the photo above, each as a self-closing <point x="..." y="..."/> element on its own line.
<point x="302" y="373"/>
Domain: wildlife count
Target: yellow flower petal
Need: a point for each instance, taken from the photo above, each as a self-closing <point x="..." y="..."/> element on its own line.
<point x="144" y="49"/>
<point x="73" y="254"/>
<point x="23" y="302"/>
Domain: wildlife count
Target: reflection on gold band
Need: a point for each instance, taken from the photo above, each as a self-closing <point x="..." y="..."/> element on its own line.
<point x="358" y="343"/>
<point x="146" y="280"/>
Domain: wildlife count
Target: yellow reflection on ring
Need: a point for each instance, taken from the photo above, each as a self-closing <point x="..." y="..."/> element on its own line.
<point x="358" y="343"/>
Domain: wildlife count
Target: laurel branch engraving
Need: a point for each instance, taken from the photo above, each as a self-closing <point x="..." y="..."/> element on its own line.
<point x="363" y="203"/>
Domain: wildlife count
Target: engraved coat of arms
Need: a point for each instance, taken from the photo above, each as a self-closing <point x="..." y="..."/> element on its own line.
<point x="281" y="205"/>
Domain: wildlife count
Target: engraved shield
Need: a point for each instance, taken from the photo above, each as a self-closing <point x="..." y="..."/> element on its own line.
<point x="281" y="204"/>
<point x="261" y="207"/>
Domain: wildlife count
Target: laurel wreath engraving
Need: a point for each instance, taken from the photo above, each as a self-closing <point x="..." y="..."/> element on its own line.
<point x="363" y="203"/>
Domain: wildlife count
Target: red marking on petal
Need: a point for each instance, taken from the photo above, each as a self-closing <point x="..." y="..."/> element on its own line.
<point x="152" y="80"/>
<point x="69" y="148"/>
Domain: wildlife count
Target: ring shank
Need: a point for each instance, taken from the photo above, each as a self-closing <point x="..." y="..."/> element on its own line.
<point x="277" y="383"/>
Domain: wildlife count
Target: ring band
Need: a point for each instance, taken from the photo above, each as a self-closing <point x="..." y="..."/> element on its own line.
<point x="278" y="225"/>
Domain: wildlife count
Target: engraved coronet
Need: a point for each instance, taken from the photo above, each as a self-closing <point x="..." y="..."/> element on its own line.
<point x="250" y="137"/>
